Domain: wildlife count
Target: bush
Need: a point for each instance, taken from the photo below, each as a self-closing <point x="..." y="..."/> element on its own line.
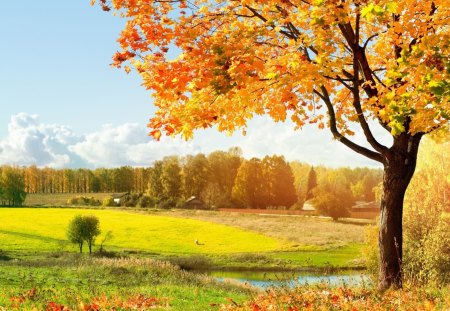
<point x="426" y="257"/>
<point x="83" y="229"/>
<point x="109" y="202"/>
<point x="371" y="252"/>
<point x="146" y="201"/>
<point x="333" y="200"/>
<point x="130" y="200"/>
<point x="426" y="248"/>
<point x="80" y="200"/>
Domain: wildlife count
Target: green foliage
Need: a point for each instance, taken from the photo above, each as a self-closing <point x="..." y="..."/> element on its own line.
<point x="155" y="188"/>
<point x="214" y="197"/>
<point x="279" y="182"/>
<point x="108" y="201"/>
<point x="145" y="201"/>
<point x="363" y="189"/>
<point x="91" y="283"/>
<point x="334" y="200"/>
<point x="171" y="178"/>
<point x="82" y="200"/>
<point x="130" y="200"/>
<point x="260" y="184"/>
<point x="195" y="175"/>
<point x="249" y="189"/>
<point x="83" y="229"/>
<point x="12" y="187"/>
<point x="223" y="168"/>
<point x="75" y="232"/>
<point x="91" y="229"/>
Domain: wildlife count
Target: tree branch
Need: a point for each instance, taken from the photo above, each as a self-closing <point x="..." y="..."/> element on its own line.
<point x="337" y="135"/>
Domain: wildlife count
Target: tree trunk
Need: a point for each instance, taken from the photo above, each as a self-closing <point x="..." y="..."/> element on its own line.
<point x="399" y="167"/>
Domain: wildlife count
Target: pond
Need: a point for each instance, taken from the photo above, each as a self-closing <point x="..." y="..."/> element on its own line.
<point x="268" y="279"/>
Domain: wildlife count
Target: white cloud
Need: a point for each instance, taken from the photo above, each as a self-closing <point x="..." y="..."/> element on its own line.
<point x="127" y="144"/>
<point x="310" y="145"/>
<point x="31" y="142"/>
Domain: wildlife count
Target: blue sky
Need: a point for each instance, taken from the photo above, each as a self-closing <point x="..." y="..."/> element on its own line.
<point x="62" y="105"/>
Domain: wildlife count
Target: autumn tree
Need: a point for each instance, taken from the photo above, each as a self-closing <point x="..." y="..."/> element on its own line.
<point x="343" y="65"/>
<point x="311" y="184"/>
<point x="279" y="182"/>
<point x="426" y="218"/>
<point x="363" y="188"/>
<point x="195" y="175"/>
<point x="155" y="188"/>
<point x="223" y="168"/>
<point x="300" y="171"/>
<point x="171" y="179"/>
<point x="333" y="199"/>
<point x="12" y="186"/>
<point x="249" y="189"/>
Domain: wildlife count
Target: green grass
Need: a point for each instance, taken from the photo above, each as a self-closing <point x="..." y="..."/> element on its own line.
<point x="47" y="262"/>
<point x="59" y="199"/>
<point x="74" y="279"/>
<point x="233" y="243"/>
<point x="44" y="229"/>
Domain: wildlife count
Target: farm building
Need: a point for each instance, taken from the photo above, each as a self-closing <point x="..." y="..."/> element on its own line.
<point x="117" y="197"/>
<point x="195" y="203"/>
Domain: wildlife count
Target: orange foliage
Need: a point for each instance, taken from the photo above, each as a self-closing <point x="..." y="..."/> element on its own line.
<point x="342" y="298"/>
<point x="235" y="59"/>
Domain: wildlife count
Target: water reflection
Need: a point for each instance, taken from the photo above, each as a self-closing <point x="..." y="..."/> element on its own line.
<point x="267" y="279"/>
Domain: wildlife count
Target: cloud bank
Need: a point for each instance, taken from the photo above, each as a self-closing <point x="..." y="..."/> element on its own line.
<point x="31" y="142"/>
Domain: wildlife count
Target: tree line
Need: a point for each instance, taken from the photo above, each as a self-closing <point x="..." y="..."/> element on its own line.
<point x="219" y="179"/>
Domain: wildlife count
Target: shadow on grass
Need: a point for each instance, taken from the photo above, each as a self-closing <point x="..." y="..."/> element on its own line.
<point x="4" y="257"/>
<point x="31" y="236"/>
<point x="357" y="222"/>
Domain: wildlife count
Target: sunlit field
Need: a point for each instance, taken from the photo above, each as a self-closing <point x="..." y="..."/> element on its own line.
<point x="31" y="229"/>
<point x="59" y="199"/>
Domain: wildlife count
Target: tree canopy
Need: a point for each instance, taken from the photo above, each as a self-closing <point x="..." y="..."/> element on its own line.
<point x="383" y="60"/>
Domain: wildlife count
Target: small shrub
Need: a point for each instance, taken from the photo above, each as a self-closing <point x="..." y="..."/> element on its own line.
<point x="83" y="229"/>
<point x="426" y="247"/>
<point x="146" y="201"/>
<point x="196" y="262"/>
<point x="371" y="252"/>
<point x="130" y="200"/>
<point x="80" y="200"/>
<point x="109" y="202"/>
<point x="181" y="204"/>
<point x="426" y="257"/>
<point x="333" y="200"/>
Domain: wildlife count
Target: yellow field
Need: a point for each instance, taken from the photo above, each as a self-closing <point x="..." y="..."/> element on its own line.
<point x="44" y="229"/>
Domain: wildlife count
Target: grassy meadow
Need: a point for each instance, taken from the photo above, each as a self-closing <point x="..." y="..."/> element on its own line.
<point x="87" y="283"/>
<point x="44" y="229"/>
<point x="152" y="252"/>
<point x="40" y="269"/>
<point x="227" y="240"/>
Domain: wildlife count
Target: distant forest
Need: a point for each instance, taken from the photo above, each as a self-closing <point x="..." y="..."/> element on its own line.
<point x="220" y="179"/>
